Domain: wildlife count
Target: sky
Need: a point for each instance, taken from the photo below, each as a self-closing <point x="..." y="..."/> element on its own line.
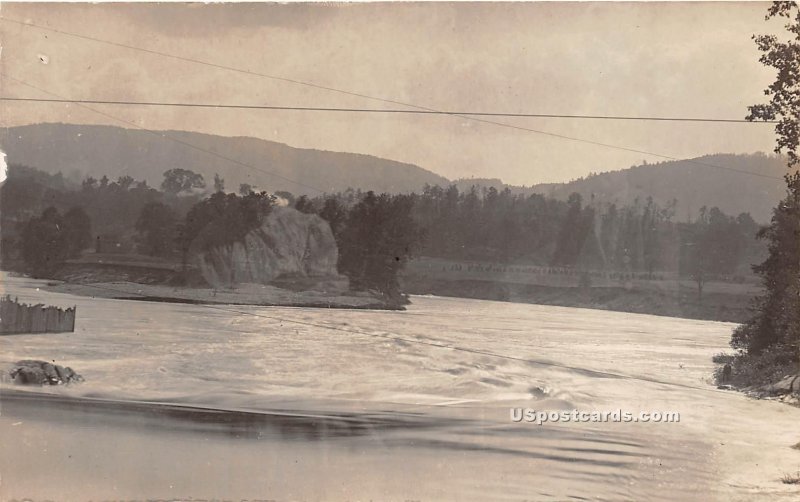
<point x="634" y="59"/>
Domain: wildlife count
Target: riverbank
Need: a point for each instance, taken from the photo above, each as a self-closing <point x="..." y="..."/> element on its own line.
<point x="661" y="293"/>
<point x="245" y="294"/>
<point x="674" y="301"/>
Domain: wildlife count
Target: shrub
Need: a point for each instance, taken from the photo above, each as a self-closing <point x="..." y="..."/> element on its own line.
<point x="768" y="366"/>
<point x="723" y="358"/>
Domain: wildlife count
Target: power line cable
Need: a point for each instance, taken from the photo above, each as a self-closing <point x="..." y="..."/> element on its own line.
<point x="375" y="110"/>
<point x="208" y="63"/>
<point x="374" y="98"/>
<point x="80" y="103"/>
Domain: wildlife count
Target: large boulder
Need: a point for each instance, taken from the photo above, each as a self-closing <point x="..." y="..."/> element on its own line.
<point x="788" y="385"/>
<point x="288" y="243"/>
<point x="32" y="372"/>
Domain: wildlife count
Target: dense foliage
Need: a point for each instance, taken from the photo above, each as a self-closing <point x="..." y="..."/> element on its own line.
<point x="377" y="234"/>
<point x="222" y="219"/>
<point x="775" y="325"/>
<point x="640" y="239"/>
<point x="124" y="210"/>
<point x="776" y="320"/>
<point x="156" y="226"/>
<point x="375" y="240"/>
<point x="51" y="238"/>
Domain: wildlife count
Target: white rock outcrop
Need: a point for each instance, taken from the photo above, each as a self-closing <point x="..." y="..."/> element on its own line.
<point x="288" y="243"/>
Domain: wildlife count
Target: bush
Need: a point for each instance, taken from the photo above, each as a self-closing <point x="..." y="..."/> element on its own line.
<point x="766" y="367"/>
<point x="723" y="358"/>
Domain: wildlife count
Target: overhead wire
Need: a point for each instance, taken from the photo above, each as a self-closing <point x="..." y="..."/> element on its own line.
<point x="373" y="110"/>
<point x="165" y="135"/>
<point x="374" y="98"/>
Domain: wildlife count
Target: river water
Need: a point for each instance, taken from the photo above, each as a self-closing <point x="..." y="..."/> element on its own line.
<point x="231" y="402"/>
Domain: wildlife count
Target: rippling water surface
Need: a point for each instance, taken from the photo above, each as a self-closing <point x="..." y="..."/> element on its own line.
<point x="290" y="403"/>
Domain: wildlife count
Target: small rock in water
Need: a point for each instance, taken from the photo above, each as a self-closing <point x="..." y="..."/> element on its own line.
<point x="539" y="392"/>
<point x="33" y="372"/>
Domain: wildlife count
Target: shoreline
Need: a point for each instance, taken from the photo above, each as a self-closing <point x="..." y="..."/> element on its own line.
<point x="679" y="302"/>
<point x="249" y="294"/>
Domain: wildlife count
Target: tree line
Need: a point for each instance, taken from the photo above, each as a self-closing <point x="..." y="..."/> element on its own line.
<point x="377" y="233"/>
<point x="498" y="226"/>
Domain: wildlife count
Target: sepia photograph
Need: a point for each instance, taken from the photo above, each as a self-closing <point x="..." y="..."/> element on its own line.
<point x="400" y="251"/>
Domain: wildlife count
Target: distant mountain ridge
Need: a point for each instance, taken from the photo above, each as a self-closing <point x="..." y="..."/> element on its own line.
<point x="693" y="183"/>
<point x="92" y="150"/>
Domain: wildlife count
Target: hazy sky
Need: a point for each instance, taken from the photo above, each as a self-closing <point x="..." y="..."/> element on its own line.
<point x="663" y="59"/>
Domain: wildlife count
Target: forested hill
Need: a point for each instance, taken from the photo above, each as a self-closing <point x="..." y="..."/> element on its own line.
<point x="693" y="185"/>
<point x="79" y="151"/>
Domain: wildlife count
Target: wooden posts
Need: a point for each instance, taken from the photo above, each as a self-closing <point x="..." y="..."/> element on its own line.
<point x="17" y="318"/>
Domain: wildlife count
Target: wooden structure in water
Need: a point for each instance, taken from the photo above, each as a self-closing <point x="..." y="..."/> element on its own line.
<point x="19" y="318"/>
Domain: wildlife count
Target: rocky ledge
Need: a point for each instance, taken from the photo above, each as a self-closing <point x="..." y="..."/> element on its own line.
<point x="32" y="372"/>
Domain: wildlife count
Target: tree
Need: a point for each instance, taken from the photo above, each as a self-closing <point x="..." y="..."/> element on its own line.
<point x="651" y="244"/>
<point x="89" y="183"/>
<point x="245" y="189"/>
<point x="78" y="228"/>
<point x="334" y="213"/>
<point x="181" y="180"/>
<point x="710" y="247"/>
<point x="696" y="257"/>
<point x="379" y="237"/>
<point x="573" y="233"/>
<point x="156" y="227"/>
<point x="785" y="91"/>
<point x="44" y="243"/>
<point x="221" y="219"/>
<point x="776" y="321"/>
<point x="219" y="183"/>
<point x="304" y="205"/>
<point x="125" y="182"/>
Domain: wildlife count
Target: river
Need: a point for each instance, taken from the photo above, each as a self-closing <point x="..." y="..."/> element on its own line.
<point x="267" y="403"/>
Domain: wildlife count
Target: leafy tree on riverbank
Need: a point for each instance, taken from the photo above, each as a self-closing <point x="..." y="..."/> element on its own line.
<point x="50" y="239"/>
<point x="775" y="325"/>
<point x="156" y="226"/>
<point x="378" y="237"/>
<point x="79" y="231"/>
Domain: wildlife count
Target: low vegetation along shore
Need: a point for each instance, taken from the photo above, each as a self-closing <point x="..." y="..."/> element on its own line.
<point x="672" y="302"/>
<point x="245" y="294"/>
